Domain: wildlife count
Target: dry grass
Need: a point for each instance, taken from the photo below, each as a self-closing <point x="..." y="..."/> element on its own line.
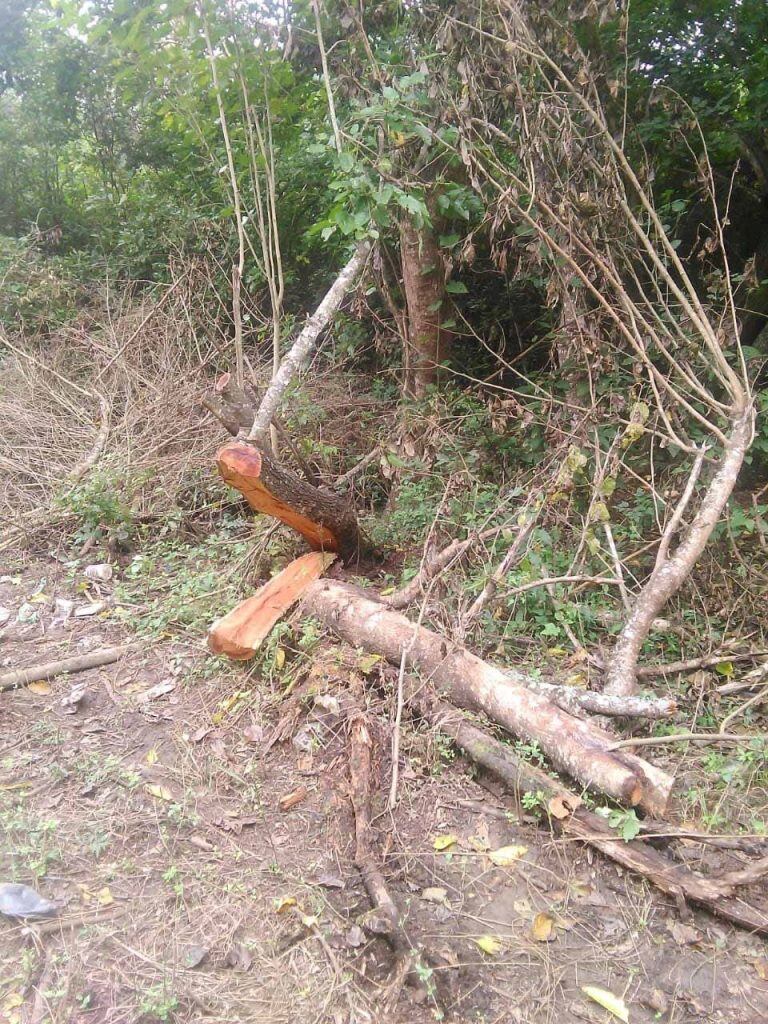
<point x="121" y="391"/>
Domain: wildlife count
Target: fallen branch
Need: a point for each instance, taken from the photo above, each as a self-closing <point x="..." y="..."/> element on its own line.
<point x="360" y="747"/>
<point x="570" y="817"/>
<point x="437" y="564"/>
<point x="693" y="664"/>
<point x="576" y="701"/>
<point x="294" y="360"/>
<point x="688" y="737"/>
<point x="24" y="676"/>
<point x="573" y="746"/>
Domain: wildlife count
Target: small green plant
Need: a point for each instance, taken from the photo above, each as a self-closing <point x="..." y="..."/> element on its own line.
<point x="159" y="1003"/>
<point x="626" y="823"/>
<point x="101" y="506"/>
<point x="533" y="803"/>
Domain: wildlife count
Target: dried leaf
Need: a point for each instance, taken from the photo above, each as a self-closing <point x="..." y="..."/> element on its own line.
<point x="543" y="928"/>
<point x="159" y="792"/>
<point x="368" y="663"/>
<point x="254" y="733"/>
<point x="435" y="895"/>
<point x="279" y="658"/>
<point x="292" y="799"/>
<point x="761" y="967"/>
<point x="507" y="856"/>
<point x="285" y="903"/>
<point x="159" y="690"/>
<point x="489" y="944"/>
<point x="40" y="687"/>
<point x="444" y="843"/>
<point x="613" y="1004"/>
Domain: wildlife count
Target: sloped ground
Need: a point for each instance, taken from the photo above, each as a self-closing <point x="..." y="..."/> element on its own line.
<point x="152" y="814"/>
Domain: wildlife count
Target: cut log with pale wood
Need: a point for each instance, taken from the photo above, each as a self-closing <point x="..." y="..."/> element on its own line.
<point x="241" y="632"/>
<point x="325" y="521"/>
<point x="575" y="747"/>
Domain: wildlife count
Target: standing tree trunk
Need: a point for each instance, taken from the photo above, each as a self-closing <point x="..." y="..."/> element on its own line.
<point x="427" y="342"/>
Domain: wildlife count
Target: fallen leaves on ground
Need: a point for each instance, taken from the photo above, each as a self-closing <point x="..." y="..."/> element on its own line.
<point x="613" y="1004"/>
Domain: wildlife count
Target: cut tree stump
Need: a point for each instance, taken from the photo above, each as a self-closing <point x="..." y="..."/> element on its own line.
<point x="240" y="633"/>
<point x="324" y="520"/>
<point x="575" y="747"/>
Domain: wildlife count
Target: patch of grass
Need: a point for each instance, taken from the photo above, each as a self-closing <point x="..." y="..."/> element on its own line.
<point x="171" y="588"/>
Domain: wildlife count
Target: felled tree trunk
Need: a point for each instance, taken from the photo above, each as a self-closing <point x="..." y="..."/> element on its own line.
<point x="573" y="746"/>
<point x="426" y="345"/>
<point x="569" y="816"/>
<point x="325" y="521"/>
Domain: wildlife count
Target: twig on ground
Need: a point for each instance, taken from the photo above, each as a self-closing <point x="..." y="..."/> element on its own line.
<point x="688" y="737"/>
<point x="24" y="676"/>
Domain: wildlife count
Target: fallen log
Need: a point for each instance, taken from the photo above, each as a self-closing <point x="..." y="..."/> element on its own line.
<point x="240" y="633"/>
<point x="568" y="816"/>
<point x="24" y="676"/>
<point x="573" y="746"/>
<point x="325" y="521"/>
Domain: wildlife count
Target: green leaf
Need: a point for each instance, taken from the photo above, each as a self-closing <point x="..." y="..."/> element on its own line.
<point x="448" y="241"/>
<point x="456" y="288"/>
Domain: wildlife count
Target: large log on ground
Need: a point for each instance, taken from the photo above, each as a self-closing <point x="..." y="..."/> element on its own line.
<point x="573" y="746"/>
<point x="240" y="633"/>
<point x="324" y="520"/>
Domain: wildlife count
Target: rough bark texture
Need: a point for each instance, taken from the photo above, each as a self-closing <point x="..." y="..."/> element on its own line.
<point x="240" y="633"/>
<point x="324" y="520"/>
<point x="674" y="879"/>
<point x="573" y="746"/>
<point x="427" y="343"/>
<point x="673" y="570"/>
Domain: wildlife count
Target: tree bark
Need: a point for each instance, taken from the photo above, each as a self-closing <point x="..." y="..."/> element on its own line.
<point x="672" y="570"/>
<point x="325" y="521"/>
<point x="426" y="345"/>
<point x="573" y="746"/>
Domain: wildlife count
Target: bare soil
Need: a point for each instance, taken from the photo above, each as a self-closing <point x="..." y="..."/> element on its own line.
<point x="152" y="814"/>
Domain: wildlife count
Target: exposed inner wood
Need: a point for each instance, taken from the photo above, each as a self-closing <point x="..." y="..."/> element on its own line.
<point x="240" y="633"/>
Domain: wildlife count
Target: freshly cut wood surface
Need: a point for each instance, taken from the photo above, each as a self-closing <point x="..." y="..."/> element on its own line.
<point x="240" y="632"/>
<point x="325" y="520"/>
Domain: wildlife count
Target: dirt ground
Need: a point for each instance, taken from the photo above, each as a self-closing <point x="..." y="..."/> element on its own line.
<point x="151" y="811"/>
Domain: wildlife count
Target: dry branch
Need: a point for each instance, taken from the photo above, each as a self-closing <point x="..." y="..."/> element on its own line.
<point x="672" y="569"/>
<point x="24" y="676"/>
<point x="674" y="879"/>
<point x="573" y="746"/>
<point x="294" y="360"/>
